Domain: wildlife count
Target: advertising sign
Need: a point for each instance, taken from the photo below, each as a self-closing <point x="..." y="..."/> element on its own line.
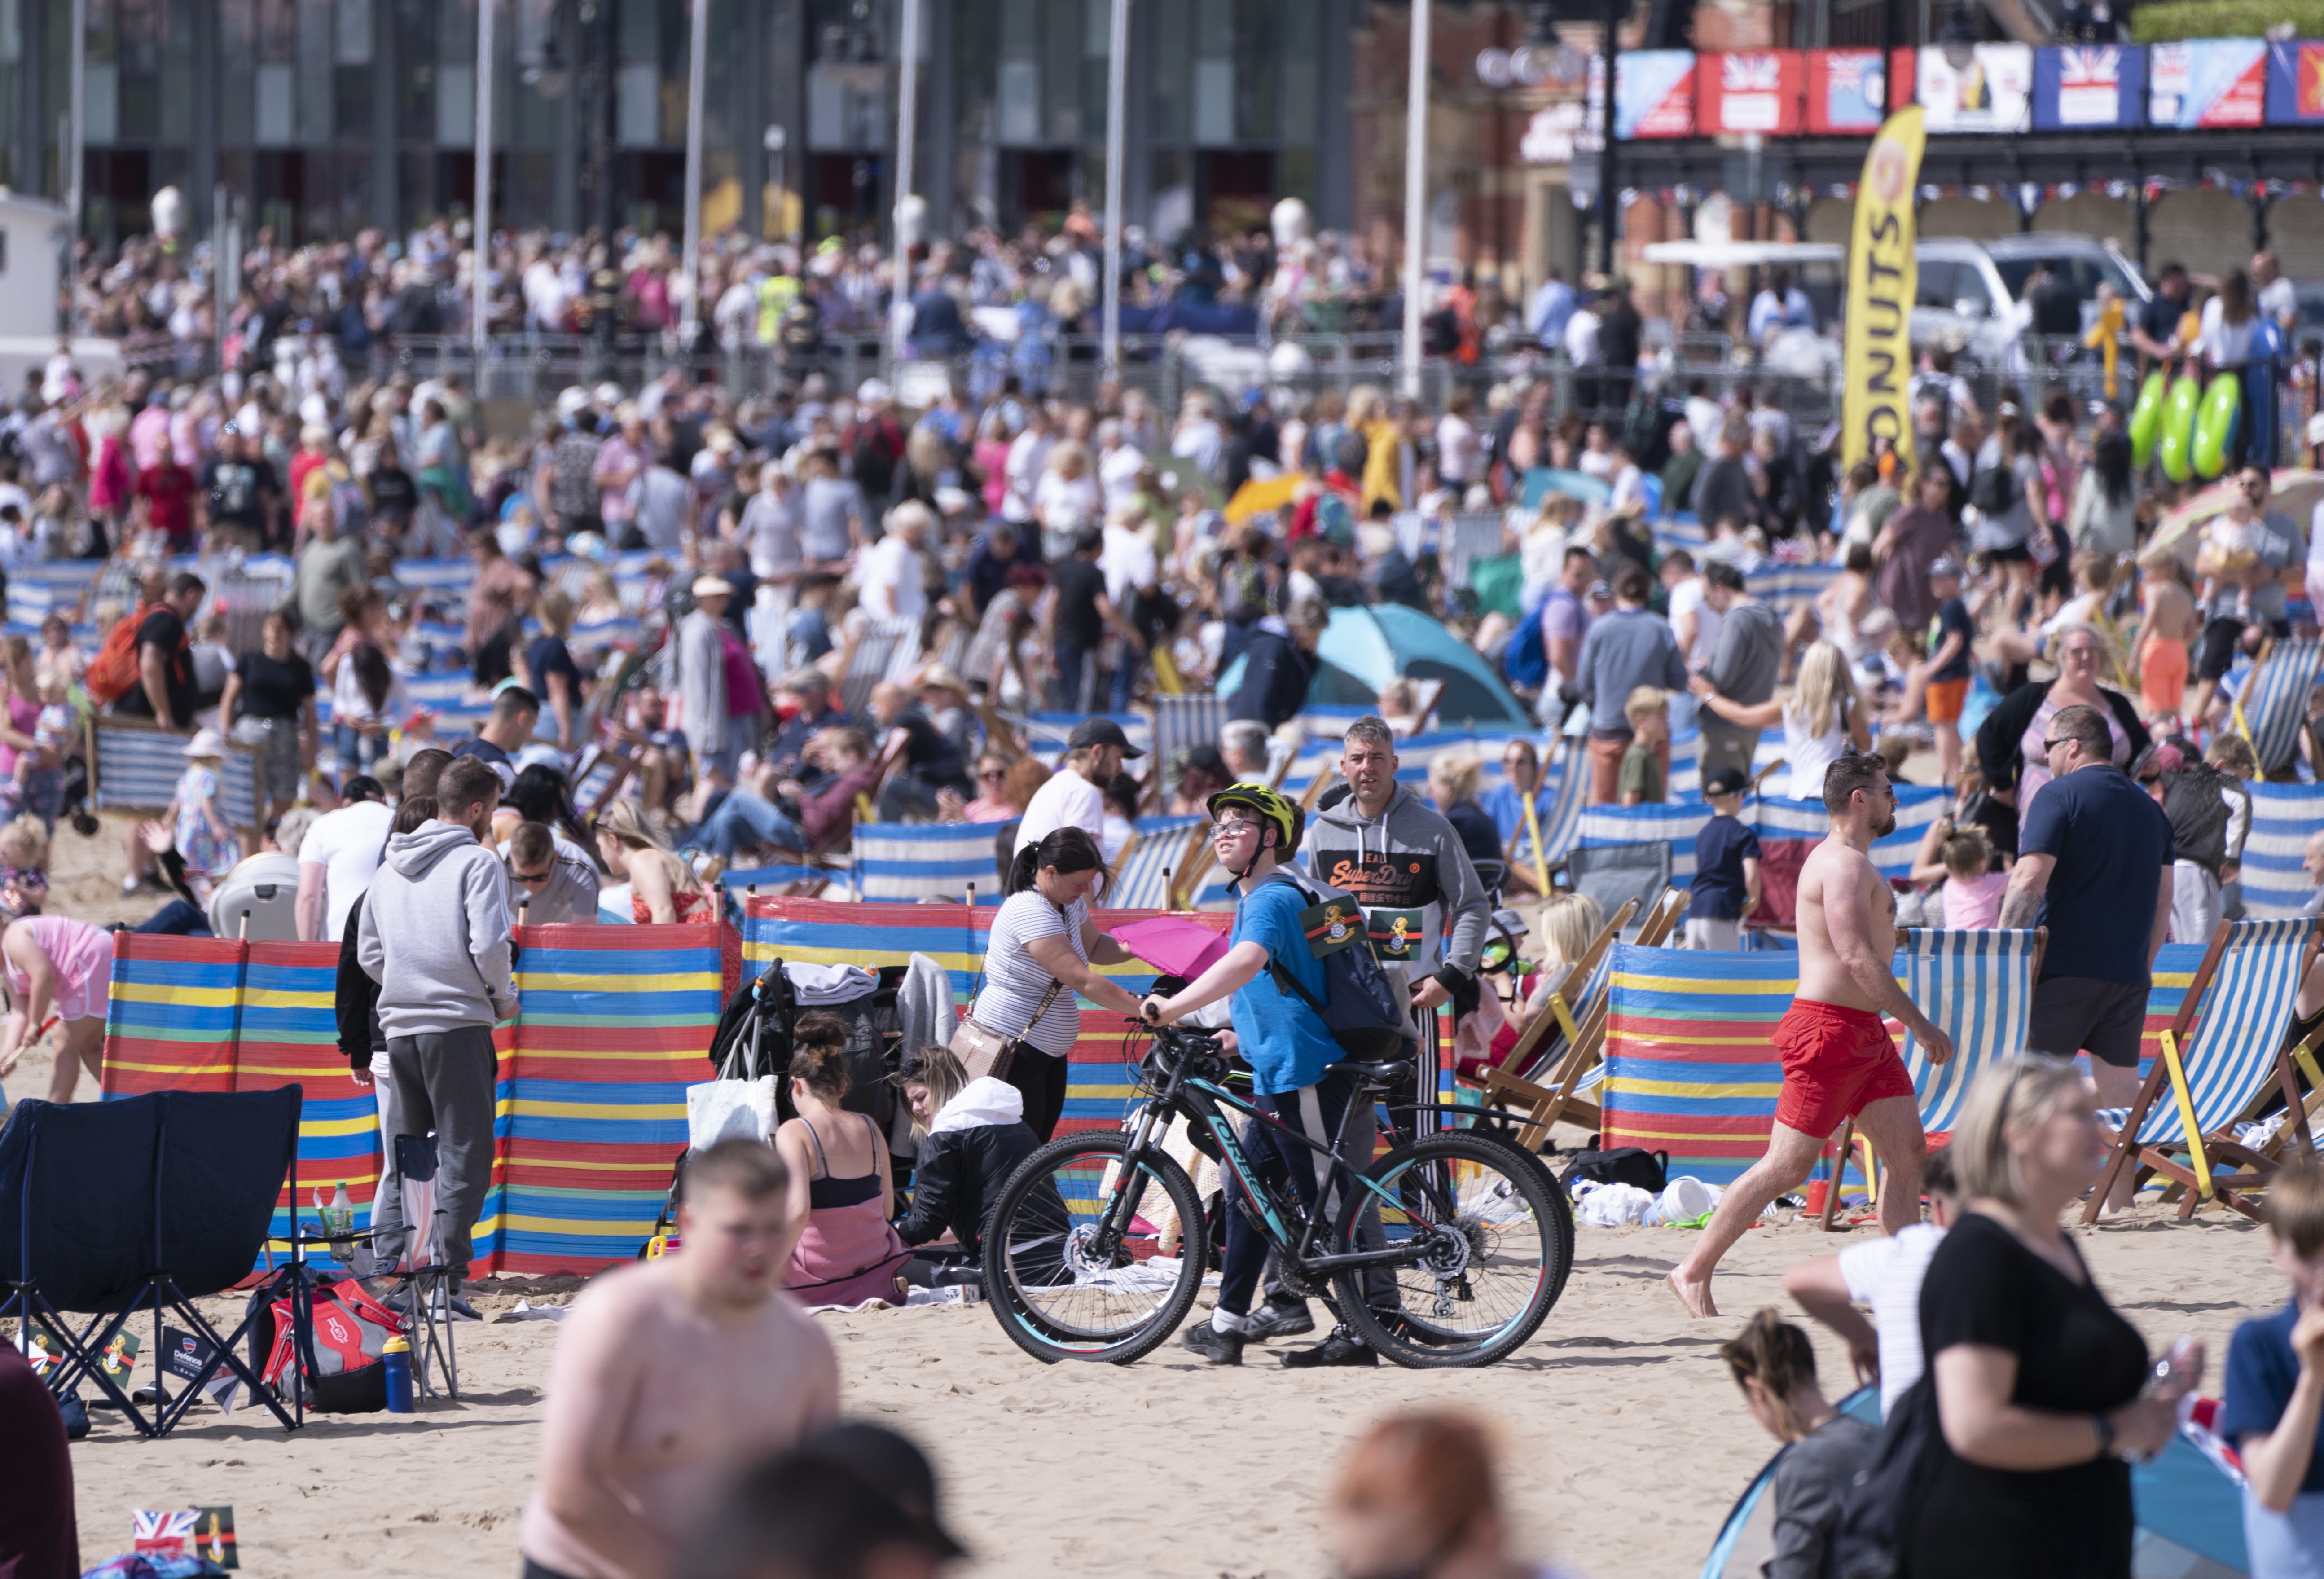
<point x="1883" y="278"/>
<point x="2206" y="83"/>
<point x="1845" y="90"/>
<point x="1762" y="90"/>
<point x="2295" y="83"/>
<point x="1654" y="92"/>
<point x="2087" y="86"/>
<point x="1993" y="92"/>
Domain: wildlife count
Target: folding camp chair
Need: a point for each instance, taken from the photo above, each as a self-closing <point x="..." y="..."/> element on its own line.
<point x="2276" y="699"/>
<point x="2238" y="1008"/>
<point x="1978" y="987"/>
<point x="1613" y="874"/>
<point x="144" y="1202"/>
<point x="1550" y="1077"/>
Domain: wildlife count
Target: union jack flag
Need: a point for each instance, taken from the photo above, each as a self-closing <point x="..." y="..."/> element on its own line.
<point x="2090" y="67"/>
<point x="1750" y="73"/>
<point x="170" y="1531"/>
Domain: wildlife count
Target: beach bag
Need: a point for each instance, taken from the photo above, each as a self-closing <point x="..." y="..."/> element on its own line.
<point x="342" y="1372"/>
<point x="723" y="1109"/>
<point x="1876" y="1508"/>
<point x="114" y="670"/>
<point x="983" y="1052"/>
<point x="1624" y="1165"/>
<point x="1360" y="1008"/>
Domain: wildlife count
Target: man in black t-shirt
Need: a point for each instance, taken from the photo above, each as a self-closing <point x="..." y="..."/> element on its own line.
<point x="930" y="761"/>
<point x="165" y="691"/>
<point x="1078" y="618"/>
<point x="2154" y="332"/>
<point x="238" y="493"/>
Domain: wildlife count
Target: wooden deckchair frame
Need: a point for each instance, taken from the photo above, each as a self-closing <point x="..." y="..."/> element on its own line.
<point x="1848" y="1125"/>
<point x="2199" y="1181"/>
<point x="1560" y="1100"/>
<point x="1184" y="885"/>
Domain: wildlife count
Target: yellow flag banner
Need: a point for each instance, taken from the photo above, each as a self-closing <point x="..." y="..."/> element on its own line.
<point x="1883" y="277"/>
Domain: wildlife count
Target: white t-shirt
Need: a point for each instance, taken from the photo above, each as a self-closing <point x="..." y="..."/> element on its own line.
<point x="1457" y="449"/>
<point x="889" y="577"/>
<point x="1886" y="1274"/>
<point x="1688" y="595"/>
<point x="1129" y="562"/>
<point x="1067" y="800"/>
<point x="346" y="843"/>
<point x="1014" y="981"/>
<point x="1117" y="473"/>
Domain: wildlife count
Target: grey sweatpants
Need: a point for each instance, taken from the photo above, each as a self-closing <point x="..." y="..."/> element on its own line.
<point x="445" y="1084"/>
<point x="1731" y="745"/>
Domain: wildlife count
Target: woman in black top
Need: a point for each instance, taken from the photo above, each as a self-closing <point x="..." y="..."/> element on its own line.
<point x="269" y="702"/>
<point x="394" y="495"/>
<point x="2037" y="1379"/>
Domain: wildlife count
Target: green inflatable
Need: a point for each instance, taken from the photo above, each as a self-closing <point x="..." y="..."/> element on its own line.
<point x="2215" y="422"/>
<point x="2175" y="448"/>
<point x="2146" y="418"/>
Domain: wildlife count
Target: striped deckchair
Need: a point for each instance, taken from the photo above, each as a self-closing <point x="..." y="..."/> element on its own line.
<point x="2238" y="1009"/>
<point x="1099" y="1085"/>
<point x="1772" y="817"/>
<point x="135" y="766"/>
<point x="603" y="772"/>
<point x="1161" y="846"/>
<point x="617" y="1022"/>
<point x="2282" y="816"/>
<point x="912" y="860"/>
<point x="879" y="649"/>
<point x="1978" y="987"/>
<point x="1786" y="587"/>
<point x="1180" y="722"/>
<point x="2274" y="700"/>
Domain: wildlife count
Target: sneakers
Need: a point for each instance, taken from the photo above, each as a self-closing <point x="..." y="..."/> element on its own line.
<point x="1279" y="1319"/>
<point x="1339" y="1349"/>
<point x="1217" y="1347"/>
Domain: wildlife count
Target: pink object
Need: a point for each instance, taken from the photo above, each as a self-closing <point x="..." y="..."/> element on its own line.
<point x="1173" y="945"/>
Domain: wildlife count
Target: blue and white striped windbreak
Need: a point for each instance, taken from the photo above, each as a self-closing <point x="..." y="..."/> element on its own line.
<point x="1978" y="987"/>
<point x="1771" y="818"/>
<point x="2230" y="1053"/>
<point x="2282" y="816"/>
<point x="2276" y="700"/>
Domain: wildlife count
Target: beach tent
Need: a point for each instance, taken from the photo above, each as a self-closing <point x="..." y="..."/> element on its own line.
<point x="2189" y="1502"/>
<point x="1363" y="649"/>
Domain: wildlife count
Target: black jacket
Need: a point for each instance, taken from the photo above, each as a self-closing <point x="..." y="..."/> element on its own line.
<point x="355" y="999"/>
<point x="1275" y="680"/>
<point x="957" y="1180"/>
<point x="1998" y="749"/>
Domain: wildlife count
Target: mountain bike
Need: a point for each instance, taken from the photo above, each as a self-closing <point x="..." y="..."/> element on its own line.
<point x="1447" y="1249"/>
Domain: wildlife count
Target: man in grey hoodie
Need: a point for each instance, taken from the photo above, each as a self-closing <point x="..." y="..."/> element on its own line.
<point x="435" y="936"/>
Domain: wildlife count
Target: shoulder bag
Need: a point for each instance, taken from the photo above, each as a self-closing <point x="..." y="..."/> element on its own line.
<point x="983" y="1052"/>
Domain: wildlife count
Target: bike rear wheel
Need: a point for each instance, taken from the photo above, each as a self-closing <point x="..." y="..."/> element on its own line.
<point x="1071" y="1278"/>
<point x="1501" y="1238"/>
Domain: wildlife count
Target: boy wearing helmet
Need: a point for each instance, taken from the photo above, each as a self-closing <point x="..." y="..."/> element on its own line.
<point x="1284" y="1040"/>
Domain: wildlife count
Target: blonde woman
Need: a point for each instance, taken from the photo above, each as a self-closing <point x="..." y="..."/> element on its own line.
<point x="2039" y="1383"/>
<point x="1369" y="417"/>
<point x="663" y="889"/>
<point x="972" y="1135"/>
<point x="1825" y="720"/>
<point x="1453" y="787"/>
<point x="1066" y="500"/>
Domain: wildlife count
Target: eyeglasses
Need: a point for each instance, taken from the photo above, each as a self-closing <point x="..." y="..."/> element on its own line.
<point x="1232" y="830"/>
<point x="2087" y="654"/>
<point x="2051" y="745"/>
<point x="994" y="773"/>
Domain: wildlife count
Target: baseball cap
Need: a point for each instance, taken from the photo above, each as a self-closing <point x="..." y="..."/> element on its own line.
<point x="1943" y="565"/>
<point x="1091" y="731"/>
<point x="1726" y="780"/>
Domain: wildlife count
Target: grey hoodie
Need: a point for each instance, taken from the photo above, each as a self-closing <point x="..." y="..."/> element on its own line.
<point x="1408" y="868"/>
<point x="435" y="934"/>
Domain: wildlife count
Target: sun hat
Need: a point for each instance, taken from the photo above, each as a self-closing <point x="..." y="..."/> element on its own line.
<point x="205" y="743"/>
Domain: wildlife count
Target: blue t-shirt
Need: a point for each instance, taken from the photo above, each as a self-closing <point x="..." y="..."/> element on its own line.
<point x="2111" y="843"/>
<point x="1283" y="1040"/>
<point x="1720" y="851"/>
<point x="2261" y="1371"/>
<point x="1507" y="808"/>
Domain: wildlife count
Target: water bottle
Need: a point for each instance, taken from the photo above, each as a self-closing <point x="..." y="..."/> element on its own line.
<point x="343" y="1214"/>
<point x="396" y="1355"/>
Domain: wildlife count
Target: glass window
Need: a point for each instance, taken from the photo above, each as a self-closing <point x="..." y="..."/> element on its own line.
<point x="1168" y="112"/>
<point x="1215" y="102"/>
<point x="417" y="51"/>
<point x="1935" y="287"/>
<point x="351" y="39"/>
<point x="1258" y="40"/>
<point x="1061" y="75"/>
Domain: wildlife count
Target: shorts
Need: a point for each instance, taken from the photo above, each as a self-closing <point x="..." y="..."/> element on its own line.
<point x="2220" y="636"/>
<point x="1712" y="933"/>
<point x="1837" y="1062"/>
<point x="727" y="762"/>
<point x="2163" y="675"/>
<point x="1945" y="697"/>
<point x="2082" y="1014"/>
<point x="2015" y="554"/>
<point x="275" y="767"/>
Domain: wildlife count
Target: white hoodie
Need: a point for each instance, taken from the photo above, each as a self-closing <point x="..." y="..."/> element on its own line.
<point x="982" y="1101"/>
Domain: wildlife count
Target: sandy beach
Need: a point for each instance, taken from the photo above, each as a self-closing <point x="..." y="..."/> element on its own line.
<point x="1626" y="1442"/>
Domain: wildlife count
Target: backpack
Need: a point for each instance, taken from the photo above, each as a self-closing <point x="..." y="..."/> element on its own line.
<point x="1335" y="521"/>
<point x="341" y="1371"/>
<point x="1877" y="1506"/>
<point x="1624" y="1165"/>
<point x="1994" y="490"/>
<point x="2198" y="811"/>
<point x="1360" y="1008"/>
<point x="113" y="672"/>
<point x="1524" y="662"/>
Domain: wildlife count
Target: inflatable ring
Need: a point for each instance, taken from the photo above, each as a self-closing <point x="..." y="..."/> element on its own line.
<point x="2215" y="422"/>
<point x="2175" y="447"/>
<point x="2146" y="418"/>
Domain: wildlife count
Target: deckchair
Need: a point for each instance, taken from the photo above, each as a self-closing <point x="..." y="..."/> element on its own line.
<point x="1183" y="721"/>
<point x="1141" y="878"/>
<point x="2238" y="1009"/>
<point x="875" y="653"/>
<point x="1612" y="873"/>
<point x="2276" y="699"/>
<point x="1551" y="1076"/>
<point x="1978" y="987"/>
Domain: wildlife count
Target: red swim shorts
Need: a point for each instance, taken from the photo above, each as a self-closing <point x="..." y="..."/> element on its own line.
<point x="1837" y="1061"/>
<point x="1944" y="699"/>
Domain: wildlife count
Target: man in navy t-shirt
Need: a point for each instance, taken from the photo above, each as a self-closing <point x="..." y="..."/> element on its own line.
<point x="2094" y="859"/>
<point x="1726" y="886"/>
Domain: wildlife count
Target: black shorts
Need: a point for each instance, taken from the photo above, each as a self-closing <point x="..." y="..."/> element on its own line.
<point x="2016" y="554"/>
<point x="2219" y="638"/>
<point x="2082" y="1014"/>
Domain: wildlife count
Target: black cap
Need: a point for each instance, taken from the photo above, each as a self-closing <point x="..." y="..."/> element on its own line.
<point x="1091" y="731"/>
<point x="1205" y="758"/>
<point x="1724" y="780"/>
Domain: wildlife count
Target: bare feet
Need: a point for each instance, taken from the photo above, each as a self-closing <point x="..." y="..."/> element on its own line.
<point x="1696" y="1297"/>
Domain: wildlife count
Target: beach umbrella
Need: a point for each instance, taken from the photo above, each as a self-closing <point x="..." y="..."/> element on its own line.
<point x="1257" y="498"/>
<point x="1363" y="649"/>
<point x="2298" y="491"/>
<point x="2189" y="1500"/>
<point x="1173" y="945"/>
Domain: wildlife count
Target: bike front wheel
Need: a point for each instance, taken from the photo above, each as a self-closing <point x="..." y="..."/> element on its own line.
<point x="1073" y="1259"/>
<point x="1495" y="1243"/>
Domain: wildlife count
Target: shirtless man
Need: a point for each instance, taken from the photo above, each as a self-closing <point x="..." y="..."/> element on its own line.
<point x="1839" y="1062"/>
<point x="673" y="1376"/>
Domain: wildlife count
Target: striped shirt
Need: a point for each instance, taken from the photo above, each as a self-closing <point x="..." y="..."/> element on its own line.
<point x="1014" y="981"/>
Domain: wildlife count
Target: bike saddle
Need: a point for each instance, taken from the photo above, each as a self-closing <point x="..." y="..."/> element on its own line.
<point x="1380" y="1074"/>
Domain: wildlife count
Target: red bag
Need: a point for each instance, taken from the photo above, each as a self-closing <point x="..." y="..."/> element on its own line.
<point x="113" y="672"/>
<point x="351" y="1332"/>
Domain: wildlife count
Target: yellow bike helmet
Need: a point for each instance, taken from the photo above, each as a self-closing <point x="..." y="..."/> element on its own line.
<point x="1272" y="805"/>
